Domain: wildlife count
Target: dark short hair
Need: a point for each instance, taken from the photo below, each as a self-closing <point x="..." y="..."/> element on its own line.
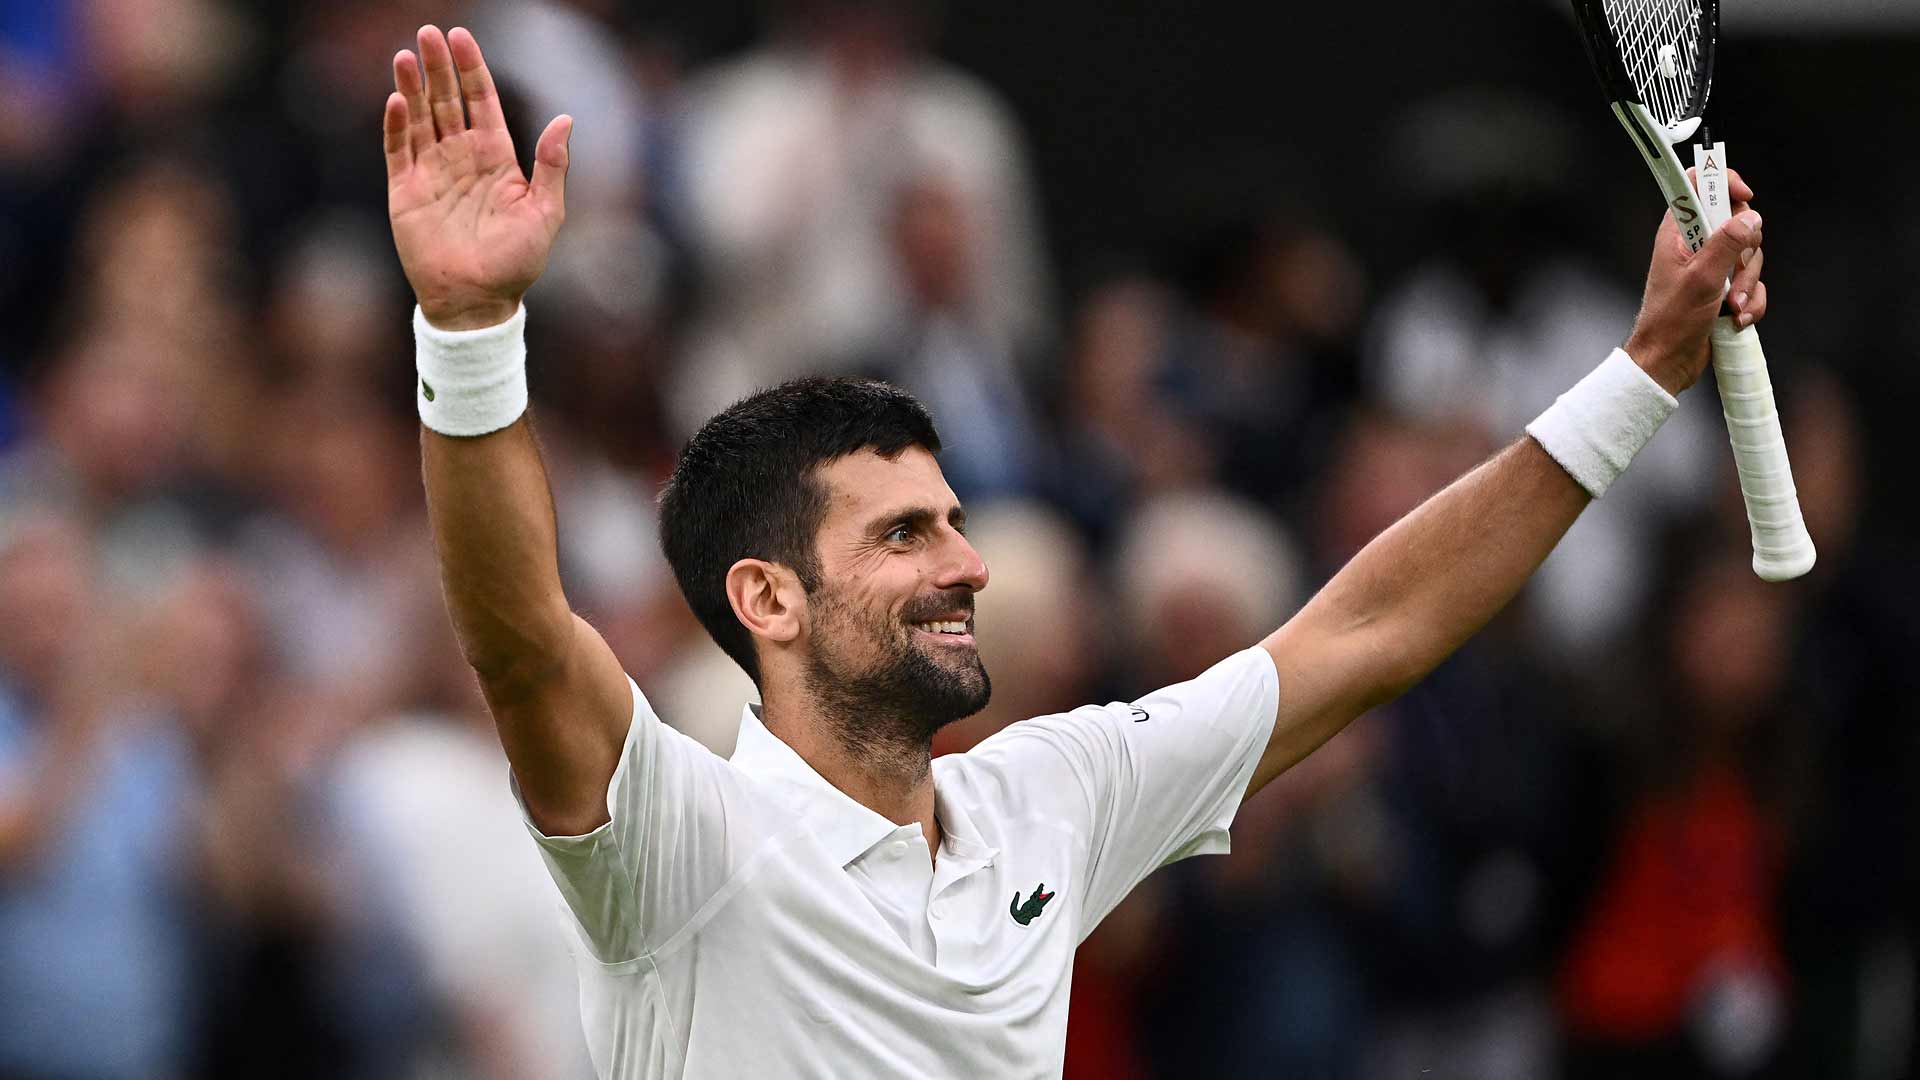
<point x="747" y="486"/>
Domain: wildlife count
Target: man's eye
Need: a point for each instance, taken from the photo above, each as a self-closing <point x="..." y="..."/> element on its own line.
<point x="900" y="534"/>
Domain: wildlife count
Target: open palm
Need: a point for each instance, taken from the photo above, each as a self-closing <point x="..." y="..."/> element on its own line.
<point x="472" y="231"/>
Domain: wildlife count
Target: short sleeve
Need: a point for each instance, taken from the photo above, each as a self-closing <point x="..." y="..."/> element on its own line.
<point x="1151" y="781"/>
<point x="678" y="817"/>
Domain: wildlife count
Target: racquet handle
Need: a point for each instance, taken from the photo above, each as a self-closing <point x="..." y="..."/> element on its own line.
<point x="1782" y="550"/>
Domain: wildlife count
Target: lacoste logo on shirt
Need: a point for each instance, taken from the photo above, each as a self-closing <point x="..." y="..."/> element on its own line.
<point x="1029" y="911"/>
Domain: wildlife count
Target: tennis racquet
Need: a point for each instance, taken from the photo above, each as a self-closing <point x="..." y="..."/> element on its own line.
<point x="1655" y="62"/>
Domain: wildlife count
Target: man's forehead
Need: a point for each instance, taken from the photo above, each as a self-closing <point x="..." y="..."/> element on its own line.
<point x="865" y="482"/>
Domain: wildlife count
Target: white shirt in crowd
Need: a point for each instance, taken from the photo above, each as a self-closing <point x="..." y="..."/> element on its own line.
<point x="744" y="917"/>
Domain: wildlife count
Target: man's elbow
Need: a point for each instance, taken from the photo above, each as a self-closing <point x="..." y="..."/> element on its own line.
<point x="512" y="665"/>
<point x="1355" y="664"/>
<point x="1392" y="664"/>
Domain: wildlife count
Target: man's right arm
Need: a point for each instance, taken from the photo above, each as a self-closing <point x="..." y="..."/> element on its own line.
<point x="557" y="692"/>
<point x="473" y="234"/>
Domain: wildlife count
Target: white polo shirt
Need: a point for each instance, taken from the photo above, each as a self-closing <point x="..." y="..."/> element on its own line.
<point x="744" y="917"/>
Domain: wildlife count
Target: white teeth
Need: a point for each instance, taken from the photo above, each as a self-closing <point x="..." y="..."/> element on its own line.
<point x="943" y="627"/>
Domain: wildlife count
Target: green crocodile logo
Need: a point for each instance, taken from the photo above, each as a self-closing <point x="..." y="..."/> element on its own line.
<point x="1029" y="911"/>
<point x="426" y="389"/>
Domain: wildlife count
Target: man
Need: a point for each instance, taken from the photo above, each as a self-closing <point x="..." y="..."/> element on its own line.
<point x="830" y="902"/>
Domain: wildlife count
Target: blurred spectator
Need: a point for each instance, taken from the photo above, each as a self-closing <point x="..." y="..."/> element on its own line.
<point x="332" y="316"/>
<point x="943" y="350"/>
<point x="701" y="690"/>
<point x="798" y="156"/>
<point x="1853" y="894"/>
<point x="1119" y="440"/>
<point x="424" y="804"/>
<point x="299" y="970"/>
<point x="149" y="58"/>
<point x="1677" y="967"/>
<point x="1202" y="574"/>
<point x="95" y="804"/>
<point x="330" y="567"/>
<point x="1260" y="357"/>
<point x="1256" y="979"/>
<point x="110" y="448"/>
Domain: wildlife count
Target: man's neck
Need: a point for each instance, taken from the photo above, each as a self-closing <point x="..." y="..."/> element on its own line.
<point x="894" y="780"/>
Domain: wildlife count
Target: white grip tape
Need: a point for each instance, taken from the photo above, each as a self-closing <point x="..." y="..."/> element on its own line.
<point x="1594" y="429"/>
<point x="1782" y="549"/>
<point x="471" y="382"/>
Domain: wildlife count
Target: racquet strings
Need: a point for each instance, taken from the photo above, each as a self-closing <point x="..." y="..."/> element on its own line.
<point x="1644" y="29"/>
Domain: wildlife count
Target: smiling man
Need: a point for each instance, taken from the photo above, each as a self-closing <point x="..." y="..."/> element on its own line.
<point x="831" y="902"/>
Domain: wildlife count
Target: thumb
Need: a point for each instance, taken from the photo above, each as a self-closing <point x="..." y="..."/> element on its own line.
<point x="550" y="160"/>
<point x="1721" y="253"/>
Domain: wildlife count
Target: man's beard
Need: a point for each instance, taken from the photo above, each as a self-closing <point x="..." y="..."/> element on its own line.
<point x="896" y="702"/>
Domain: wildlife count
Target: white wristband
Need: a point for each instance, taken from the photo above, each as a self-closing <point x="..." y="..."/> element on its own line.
<point x="1594" y="429"/>
<point x="471" y="381"/>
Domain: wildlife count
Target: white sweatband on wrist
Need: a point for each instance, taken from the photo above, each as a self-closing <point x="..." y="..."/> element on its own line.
<point x="471" y="382"/>
<point x="1594" y="429"/>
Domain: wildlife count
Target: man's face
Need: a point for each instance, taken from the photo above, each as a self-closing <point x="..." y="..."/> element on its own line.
<point x="891" y="627"/>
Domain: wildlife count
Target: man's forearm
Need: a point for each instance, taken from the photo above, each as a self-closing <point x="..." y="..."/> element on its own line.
<point x="1433" y="579"/>
<point x="493" y="526"/>
<point x="1414" y="594"/>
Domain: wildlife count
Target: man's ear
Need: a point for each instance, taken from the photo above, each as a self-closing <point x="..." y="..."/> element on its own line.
<point x="768" y="599"/>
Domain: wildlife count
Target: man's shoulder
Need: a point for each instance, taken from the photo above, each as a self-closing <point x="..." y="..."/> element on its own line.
<point x="1052" y="751"/>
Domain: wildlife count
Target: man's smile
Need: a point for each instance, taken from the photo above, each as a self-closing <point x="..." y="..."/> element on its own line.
<point x="946" y="631"/>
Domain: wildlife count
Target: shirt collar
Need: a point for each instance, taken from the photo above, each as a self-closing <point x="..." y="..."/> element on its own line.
<point x="841" y="823"/>
<point x="845" y="827"/>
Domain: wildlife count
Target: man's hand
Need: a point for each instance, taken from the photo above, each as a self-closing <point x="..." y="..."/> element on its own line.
<point x="1684" y="291"/>
<point x="473" y="233"/>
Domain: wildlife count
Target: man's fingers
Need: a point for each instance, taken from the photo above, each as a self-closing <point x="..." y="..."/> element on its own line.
<point x="1738" y="188"/>
<point x="1721" y="255"/>
<point x="549" y="188"/>
<point x="1746" y="280"/>
<point x="413" y="87"/>
<point x="1756" y="306"/>
<point x="443" y="86"/>
<point x="476" y="82"/>
<point x="1746" y="293"/>
<point x="394" y="127"/>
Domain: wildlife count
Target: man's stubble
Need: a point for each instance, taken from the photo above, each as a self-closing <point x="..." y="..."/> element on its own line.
<point x="891" y="705"/>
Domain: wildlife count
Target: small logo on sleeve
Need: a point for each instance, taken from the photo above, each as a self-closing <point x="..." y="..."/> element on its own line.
<point x="1029" y="911"/>
<point x="426" y="390"/>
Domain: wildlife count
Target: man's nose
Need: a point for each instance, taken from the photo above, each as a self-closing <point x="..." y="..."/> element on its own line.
<point x="963" y="566"/>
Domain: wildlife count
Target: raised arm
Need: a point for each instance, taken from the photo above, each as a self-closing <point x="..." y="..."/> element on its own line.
<point x="1420" y="589"/>
<point x="473" y="234"/>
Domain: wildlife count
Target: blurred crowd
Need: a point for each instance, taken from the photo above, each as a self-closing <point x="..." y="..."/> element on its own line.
<point x="1658" y="820"/>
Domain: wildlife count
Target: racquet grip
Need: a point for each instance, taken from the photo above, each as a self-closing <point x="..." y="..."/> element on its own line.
<point x="1781" y="547"/>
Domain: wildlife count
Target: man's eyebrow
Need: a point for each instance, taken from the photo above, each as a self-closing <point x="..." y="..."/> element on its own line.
<point x="918" y="517"/>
